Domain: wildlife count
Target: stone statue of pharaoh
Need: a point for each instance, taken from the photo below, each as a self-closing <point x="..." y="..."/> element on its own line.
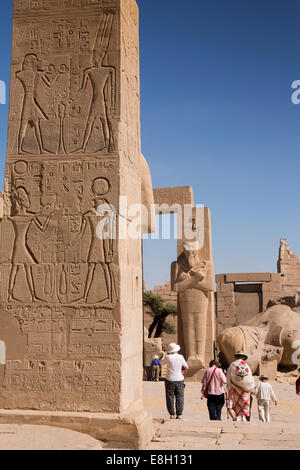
<point x="193" y="279"/>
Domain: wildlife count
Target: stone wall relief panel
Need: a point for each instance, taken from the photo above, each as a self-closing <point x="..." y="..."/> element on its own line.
<point x="59" y="244"/>
<point x="64" y="83"/>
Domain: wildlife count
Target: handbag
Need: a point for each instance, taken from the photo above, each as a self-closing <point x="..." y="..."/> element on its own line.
<point x="206" y="388"/>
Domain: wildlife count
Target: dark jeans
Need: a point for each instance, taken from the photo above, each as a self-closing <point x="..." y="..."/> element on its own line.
<point x="215" y="404"/>
<point x="175" y="390"/>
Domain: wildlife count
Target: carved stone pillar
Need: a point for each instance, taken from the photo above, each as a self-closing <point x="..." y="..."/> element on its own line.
<point x="71" y="290"/>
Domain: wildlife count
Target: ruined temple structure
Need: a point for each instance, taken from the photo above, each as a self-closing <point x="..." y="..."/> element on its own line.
<point x="288" y="266"/>
<point x="71" y="299"/>
<point x="241" y="296"/>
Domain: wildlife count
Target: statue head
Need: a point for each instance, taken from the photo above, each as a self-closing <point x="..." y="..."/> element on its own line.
<point x="98" y="57"/>
<point x="192" y="253"/>
<point x="30" y="62"/>
<point x="100" y="187"/>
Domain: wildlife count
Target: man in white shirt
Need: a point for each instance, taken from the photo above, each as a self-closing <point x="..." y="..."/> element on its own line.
<point x="176" y="366"/>
<point x="264" y="394"/>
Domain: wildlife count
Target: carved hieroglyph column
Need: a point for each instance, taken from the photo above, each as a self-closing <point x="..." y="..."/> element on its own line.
<point x="71" y="301"/>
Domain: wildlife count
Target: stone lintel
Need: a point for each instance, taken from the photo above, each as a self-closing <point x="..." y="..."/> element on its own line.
<point x="179" y="195"/>
<point x="248" y="277"/>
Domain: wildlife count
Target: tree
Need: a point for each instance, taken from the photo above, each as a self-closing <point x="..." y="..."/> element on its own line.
<point x="159" y="311"/>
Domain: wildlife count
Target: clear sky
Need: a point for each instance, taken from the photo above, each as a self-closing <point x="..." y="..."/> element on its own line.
<point x="217" y="115"/>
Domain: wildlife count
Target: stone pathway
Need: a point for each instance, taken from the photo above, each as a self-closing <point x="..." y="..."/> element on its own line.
<point x="196" y="432"/>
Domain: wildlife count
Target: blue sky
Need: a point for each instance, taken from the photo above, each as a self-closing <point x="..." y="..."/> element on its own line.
<point x="217" y="115"/>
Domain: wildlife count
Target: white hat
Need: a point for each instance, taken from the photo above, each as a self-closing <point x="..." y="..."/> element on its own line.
<point x="173" y="348"/>
<point x="155" y="356"/>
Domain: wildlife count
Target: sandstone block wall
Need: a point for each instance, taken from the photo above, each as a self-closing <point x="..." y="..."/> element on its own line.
<point x="239" y="297"/>
<point x="288" y="266"/>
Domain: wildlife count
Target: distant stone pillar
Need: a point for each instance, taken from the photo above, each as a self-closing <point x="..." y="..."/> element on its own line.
<point x="73" y="294"/>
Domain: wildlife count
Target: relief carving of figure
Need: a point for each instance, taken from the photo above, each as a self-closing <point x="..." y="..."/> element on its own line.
<point x="99" y="76"/>
<point x="193" y="279"/>
<point x="32" y="112"/>
<point x="21" y="255"/>
<point x="100" y="220"/>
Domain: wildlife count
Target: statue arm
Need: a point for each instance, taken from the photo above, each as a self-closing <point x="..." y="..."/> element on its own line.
<point x="48" y="82"/>
<point x="207" y="285"/>
<point x="82" y="229"/>
<point x="181" y="286"/>
<point x="40" y="225"/>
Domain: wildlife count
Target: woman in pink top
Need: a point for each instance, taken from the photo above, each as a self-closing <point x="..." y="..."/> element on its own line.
<point x="213" y="382"/>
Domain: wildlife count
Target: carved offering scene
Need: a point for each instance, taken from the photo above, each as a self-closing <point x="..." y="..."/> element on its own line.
<point x="59" y="243"/>
<point x="64" y="86"/>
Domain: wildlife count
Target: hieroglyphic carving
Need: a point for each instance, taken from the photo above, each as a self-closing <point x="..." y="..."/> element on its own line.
<point x="67" y="87"/>
<point x="81" y="375"/>
<point x="98" y="75"/>
<point x="53" y="5"/>
<point x="60" y="284"/>
<point x="57" y="330"/>
<point x="63" y="250"/>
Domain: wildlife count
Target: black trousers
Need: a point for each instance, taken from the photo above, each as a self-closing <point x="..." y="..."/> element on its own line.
<point x="175" y="390"/>
<point x="215" y="404"/>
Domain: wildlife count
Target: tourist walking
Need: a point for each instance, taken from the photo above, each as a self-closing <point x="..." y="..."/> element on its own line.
<point x="240" y="382"/>
<point x="174" y="384"/>
<point x="155" y="368"/>
<point x="213" y="383"/>
<point x="264" y="393"/>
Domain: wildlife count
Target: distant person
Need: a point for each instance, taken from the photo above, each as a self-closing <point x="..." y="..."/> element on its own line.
<point x="213" y="389"/>
<point x="298" y="384"/>
<point x="174" y="384"/>
<point x="264" y="394"/>
<point x="155" y="368"/>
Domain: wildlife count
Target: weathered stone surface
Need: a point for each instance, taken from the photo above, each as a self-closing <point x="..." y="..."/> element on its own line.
<point x="133" y="430"/>
<point x="30" y="437"/>
<point x="288" y="265"/>
<point x="268" y="337"/>
<point x="248" y="277"/>
<point x="71" y="290"/>
<point x="192" y="277"/>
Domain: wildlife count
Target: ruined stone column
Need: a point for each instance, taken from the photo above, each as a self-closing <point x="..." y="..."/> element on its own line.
<point x="71" y="298"/>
